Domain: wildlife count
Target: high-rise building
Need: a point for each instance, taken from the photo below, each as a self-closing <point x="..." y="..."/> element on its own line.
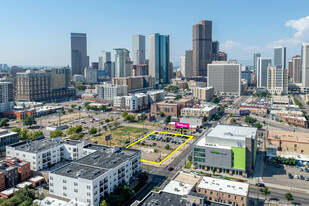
<point x="290" y="70"/>
<point x="91" y="75"/>
<point x="105" y="62"/>
<point x="42" y="85"/>
<point x="123" y="64"/>
<point x="138" y="49"/>
<point x="182" y="67"/>
<point x="186" y="64"/>
<point x="225" y="77"/>
<point x="6" y="96"/>
<point x="222" y="56"/>
<point x="305" y="67"/>
<point x="159" y="58"/>
<point x="215" y="50"/>
<point x="280" y="56"/>
<point x="79" y="58"/>
<point x="261" y="65"/>
<point x="297" y="73"/>
<point x="255" y="56"/>
<point x="111" y="91"/>
<point x="202" y="47"/>
<point x="277" y="79"/>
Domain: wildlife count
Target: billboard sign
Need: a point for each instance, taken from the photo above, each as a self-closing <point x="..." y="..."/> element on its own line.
<point x="108" y="137"/>
<point x="182" y="125"/>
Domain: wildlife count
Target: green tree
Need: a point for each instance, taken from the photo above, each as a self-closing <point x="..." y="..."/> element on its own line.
<point x="93" y="130"/>
<point x="104" y="203"/>
<point x="77" y="136"/>
<point x="73" y="106"/>
<point x="103" y="108"/>
<point x="250" y="120"/>
<point x="167" y="147"/>
<point x="289" y="196"/>
<point x="258" y="125"/>
<point x="215" y="100"/>
<point x="161" y="114"/>
<point x="214" y="171"/>
<point x="63" y="112"/>
<point x="178" y="96"/>
<point x="107" y="120"/>
<point x="87" y="104"/>
<point x="168" y="119"/>
<point x="30" y="120"/>
<point x="35" y="134"/>
<point x="56" y="133"/>
<point x="129" y="118"/>
<point x="205" y="118"/>
<point x="16" y="129"/>
<point x="124" y="114"/>
<point x="23" y="134"/>
<point x="70" y="110"/>
<point x="143" y="116"/>
<point x="116" y="123"/>
<point x="78" y="129"/>
<point x="266" y="192"/>
<point x="81" y="87"/>
<point x="4" y="122"/>
<point x="307" y="103"/>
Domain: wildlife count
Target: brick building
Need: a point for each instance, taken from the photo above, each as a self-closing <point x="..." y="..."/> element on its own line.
<point x="23" y="167"/>
<point x="297" y="121"/>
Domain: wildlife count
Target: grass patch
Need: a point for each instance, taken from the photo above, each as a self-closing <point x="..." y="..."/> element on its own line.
<point x="147" y="123"/>
<point x="120" y="135"/>
<point x="188" y="165"/>
<point x="231" y="178"/>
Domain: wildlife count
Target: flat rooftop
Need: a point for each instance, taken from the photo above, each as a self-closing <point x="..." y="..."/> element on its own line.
<point x="75" y="170"/>
<point x="288" y="136"/>
<point x="280" y="99"/>
<point x="106" y="159"/>
<point x="187" y="178"/>
<point x="41" y="144"/>
<point x="226" y="186"/>
<point x="177" y="188"/>
<point x="163" y="199"/>
<point x="232" y="132"/>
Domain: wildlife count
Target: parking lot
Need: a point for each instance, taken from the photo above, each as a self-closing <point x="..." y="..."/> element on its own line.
<point x="280" y="175"/>
<point x="157" y="146"/>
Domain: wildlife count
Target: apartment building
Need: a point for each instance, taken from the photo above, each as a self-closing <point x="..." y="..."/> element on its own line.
<point x="277" y="79"/>
<point x="43" y="152"/>
<point x="7" y="138"/>
<point x="10" y="174"/>
<point x="23" y="168"/>
<point x="90" y="178"/>
<point x="207" y="110"/>
<point x="228" y="149"/>
<point x="135" y="83"/>
<point x="203" y="93"/>
<point x="286" y="141"/>
<point x="38" y="86"/>
<point x="224" y="191"/>
<point x="110" y="91"/>
<point x="156" y="96"/>
<point x="171" y="107"/>
<point x="6" y="96"/>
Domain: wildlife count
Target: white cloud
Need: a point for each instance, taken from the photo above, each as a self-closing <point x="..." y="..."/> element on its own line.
<point x="301" y="35"/>
<point x="228" y="45"/>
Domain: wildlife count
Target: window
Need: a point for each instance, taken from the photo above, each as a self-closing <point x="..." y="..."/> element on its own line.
<point x="229" y="196"/>
<point x="88" y="194"/>
<point x="235" y="197"/>
<point x="64" y="194"/>
<point x="210" y="193"/>
<point x="64" y="187"/>
<point x="76" y="190"/>
<point x="51" y="190"/>
<point x="51" y="178"/>
<point x="64" y="181"/>
<point x="75" y="184"/>
<point x="242" y="198"/>
<point x="51" y="184"/>
<point x="88" y="186"/>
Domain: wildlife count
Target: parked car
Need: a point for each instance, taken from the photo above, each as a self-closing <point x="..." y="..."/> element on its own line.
<point x="306" y="178"/>
<point x="240" y="181"/>
<point x="296" y="177"/>
<point x="170" y="168"/>
<point x="290" y="176"/>
<point x="207" y="175"/>
<point x="301" y="177"/>
<point x="306" y="170"/>
<point x="300" y="169"/>
<point x="260" y="185"/>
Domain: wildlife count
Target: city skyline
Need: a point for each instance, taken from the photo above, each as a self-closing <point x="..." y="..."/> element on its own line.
<point x="50" y="44"/>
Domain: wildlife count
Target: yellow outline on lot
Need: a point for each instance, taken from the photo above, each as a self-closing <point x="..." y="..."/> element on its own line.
<point x="159" y="163"/>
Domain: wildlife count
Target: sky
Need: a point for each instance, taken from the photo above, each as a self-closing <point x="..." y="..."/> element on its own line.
<point x="37" y="32"/>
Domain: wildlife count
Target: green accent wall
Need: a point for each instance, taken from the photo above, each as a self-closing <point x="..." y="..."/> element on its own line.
<point x="239" y="158"/>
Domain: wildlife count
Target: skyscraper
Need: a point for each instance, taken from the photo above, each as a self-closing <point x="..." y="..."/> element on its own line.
<point x="182" y="59"/>
<point x="6" y="96"/>
<point x="305" y="67"/>
<point x="280" y="56"/>
<point x="186" y="64"/>
<point x="123" y="64"/>
<point x="159" y="57"/>
<point x="105" y="62"/>
<point x="295" y="73"/>
<point x="262" y="65"/>
<point x="277" y="79"/>
<point x="225" y="77"/>
<point x="138" y="49"/>
<point x="255" y="56"/>
<point x="202" y="47"/>
<point x="215" y="50"/>
<point x="79" y="58"/>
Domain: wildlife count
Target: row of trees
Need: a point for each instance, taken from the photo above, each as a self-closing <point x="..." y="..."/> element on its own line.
<point x="28" y="121"/>
<point x="128" y="117"/>
<point x="287" y="195"/>
<point x="23" y="197"/>
<point x="25" y="134"/>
